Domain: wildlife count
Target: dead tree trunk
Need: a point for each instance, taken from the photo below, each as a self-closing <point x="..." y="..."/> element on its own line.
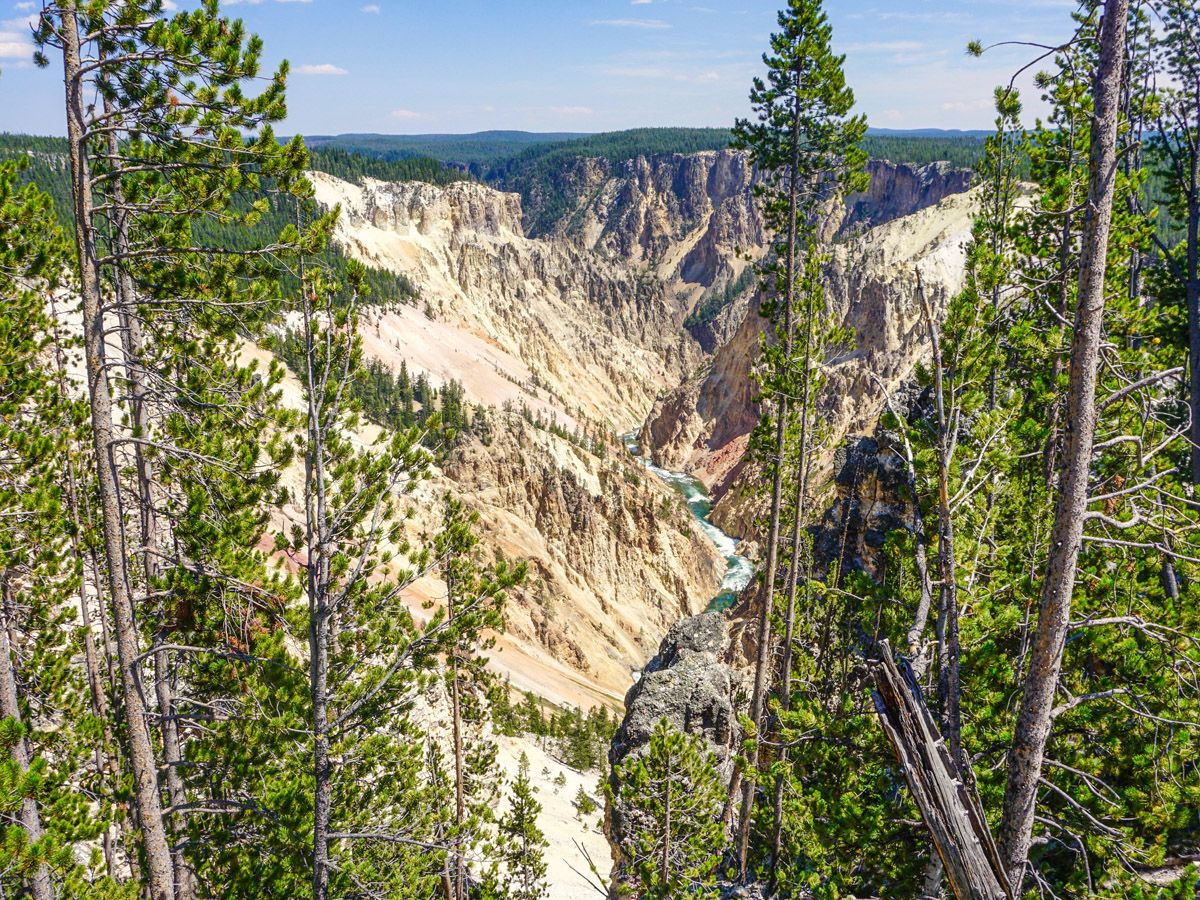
<point x="950" y="809"/>
<point x="1041" y="682"/>
<point x="318" y="587"/>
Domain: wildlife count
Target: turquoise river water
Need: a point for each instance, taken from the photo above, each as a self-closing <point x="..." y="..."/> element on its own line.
<point x="739" y="570"/>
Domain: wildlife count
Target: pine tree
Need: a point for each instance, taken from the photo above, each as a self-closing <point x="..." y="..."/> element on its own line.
<point x="805" y="144"/>
<point x="1174" y="145"/>
<point x="672" y="797"/>
<point x="1041" y="684"/>
<point x="474" y="609"/>
<point x="45" y="731"/>
<point x="522" y="841"/>
<point x="171" y="135"/>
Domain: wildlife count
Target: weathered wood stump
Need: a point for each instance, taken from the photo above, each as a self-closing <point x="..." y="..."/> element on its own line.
<point x="949" y="807"/>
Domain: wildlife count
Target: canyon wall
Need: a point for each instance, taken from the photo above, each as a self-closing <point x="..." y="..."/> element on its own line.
<point x="587" y="327"/>
<point x="871" y="282"/>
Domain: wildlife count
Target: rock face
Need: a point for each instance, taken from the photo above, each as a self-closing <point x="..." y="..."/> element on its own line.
<point x="615" y="557"/>
<point x="870" y="500"/>
<point x="602" y="336"/>
<point x="901" y="189"/>
<point x="677" y="213"/>
<point x="871" y="287"/>
<point x="690" y="685"/>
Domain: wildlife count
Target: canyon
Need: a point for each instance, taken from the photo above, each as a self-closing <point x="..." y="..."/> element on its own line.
<point x="587" y="327"/>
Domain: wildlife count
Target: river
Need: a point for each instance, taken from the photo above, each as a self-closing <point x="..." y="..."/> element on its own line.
<point x="739" y="570"/>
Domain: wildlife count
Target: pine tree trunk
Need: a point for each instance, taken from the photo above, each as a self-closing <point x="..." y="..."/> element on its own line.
<point x="665" y="864"/>
<point x="762" y="666"/>
<point x="135" y="372"/>
<point x="796" y="564"/>
<point x="40" y="887"/>
<point x="319" y="614"/>
<point x="949" y="680"/>
<point x="160" y="875"/>
<point x="106" y="761"/>
<point x="460" y="805"/>
<point x="1041" y="682"/>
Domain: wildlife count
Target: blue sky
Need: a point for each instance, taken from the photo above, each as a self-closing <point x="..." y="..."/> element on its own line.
<point x="414" y="66"/>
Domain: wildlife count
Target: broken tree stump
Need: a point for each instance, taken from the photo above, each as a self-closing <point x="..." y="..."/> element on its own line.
<point x="950" y="809"/>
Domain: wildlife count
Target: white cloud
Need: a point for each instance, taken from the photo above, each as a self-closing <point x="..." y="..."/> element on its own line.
<point x="371" y="9"/>
<point x="639" y="2"/>
<point x="25" y="7"/>
<point x="15" y="42"/>
<point x="572" y="110"/>
<point x="405" y="114"/>
<point x="630" y="23"/>
<point x="321" y="69"/>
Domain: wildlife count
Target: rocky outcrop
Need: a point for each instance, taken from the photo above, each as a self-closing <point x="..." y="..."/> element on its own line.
<point x="870" y="500"/>
<point x="690" y="684"/>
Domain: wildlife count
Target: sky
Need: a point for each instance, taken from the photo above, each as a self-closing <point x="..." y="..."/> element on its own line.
<point x="448" y="66"/>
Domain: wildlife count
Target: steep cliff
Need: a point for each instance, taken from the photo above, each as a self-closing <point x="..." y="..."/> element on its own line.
<point x="585" y="327"/>
<point x="602" y="337"/>
<point x="871" y="284"/>
<point x="901" y="189"/>
<point x="615" y="557"/>
<point x="679" y="214"/>
<point x="578" y="336"/>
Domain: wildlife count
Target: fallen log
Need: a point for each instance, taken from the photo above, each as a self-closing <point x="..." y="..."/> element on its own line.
<point x="949" y="807"/>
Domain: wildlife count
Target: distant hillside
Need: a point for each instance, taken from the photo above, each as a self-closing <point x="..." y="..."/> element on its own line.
<point x="476" y="152"/>
<point x="535" y="165"/>
<point x="495" y="154"/>
<point x="47" y="167"/>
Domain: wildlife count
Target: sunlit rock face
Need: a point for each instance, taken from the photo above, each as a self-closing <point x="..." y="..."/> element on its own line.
<point x="591" y="324"/>
<point x="871" y="283"/>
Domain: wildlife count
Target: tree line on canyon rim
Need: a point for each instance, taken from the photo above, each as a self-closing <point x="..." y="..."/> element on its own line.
<point x="207" y="666"/>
